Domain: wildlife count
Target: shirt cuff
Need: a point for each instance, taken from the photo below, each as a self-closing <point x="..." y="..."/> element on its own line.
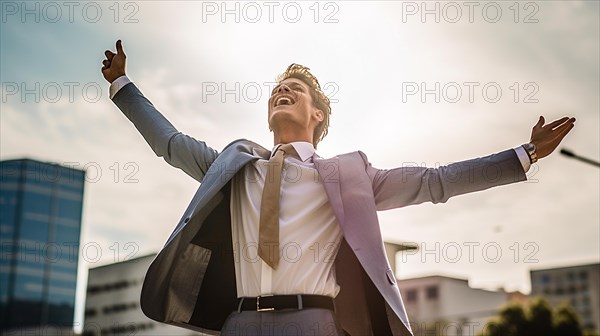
<point x="523" y="157"/>
<point x="117" y="85"/>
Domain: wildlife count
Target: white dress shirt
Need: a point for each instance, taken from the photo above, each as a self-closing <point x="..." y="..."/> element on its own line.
<point x="308" y="229"/>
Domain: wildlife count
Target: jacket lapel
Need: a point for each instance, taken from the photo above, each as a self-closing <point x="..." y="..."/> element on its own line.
<point x="329" y="172"/>
<point x="228" y="163"/>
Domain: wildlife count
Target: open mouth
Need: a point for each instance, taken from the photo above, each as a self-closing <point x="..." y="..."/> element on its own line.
<point x="284" y="100"/>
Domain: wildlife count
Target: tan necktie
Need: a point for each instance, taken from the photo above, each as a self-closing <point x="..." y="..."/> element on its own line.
<point x="268" y="240"/>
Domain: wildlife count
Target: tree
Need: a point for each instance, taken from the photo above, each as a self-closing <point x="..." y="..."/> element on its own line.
<point x="540" y="317"/>
<point x="566" y="321"/>
<point x="536" y="319"/>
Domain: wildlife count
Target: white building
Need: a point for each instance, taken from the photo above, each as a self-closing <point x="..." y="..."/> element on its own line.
<point x="112" y="304"/>
<point x="441" y="305"/>
<point x="577" y="285"/>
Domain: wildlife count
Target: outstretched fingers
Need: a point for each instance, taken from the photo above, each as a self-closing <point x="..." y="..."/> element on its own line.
<point x="563" y="126"/>
<point x="547" y="138"/>
<point x="556" y="123"/>
<point x="564" y="129"/>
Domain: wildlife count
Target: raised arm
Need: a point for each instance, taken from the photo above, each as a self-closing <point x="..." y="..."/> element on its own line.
<point x="179" y="150"/>
<point x="404" y="186"/>
<point x="408" y="185"/>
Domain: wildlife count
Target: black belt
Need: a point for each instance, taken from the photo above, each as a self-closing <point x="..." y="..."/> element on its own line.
<point x="278" y="302"/>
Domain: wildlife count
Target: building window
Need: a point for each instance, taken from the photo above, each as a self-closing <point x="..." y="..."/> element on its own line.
<point x="583" y="275"/>
<point x="411" y="295"/>
<point x="110" y="287"/>
<point x="431" y="292"/>
<point x="585" y="301"/>
<point x="128" y="328"/>
<point x="545" y="279"/>
<point x="117" y="308"/>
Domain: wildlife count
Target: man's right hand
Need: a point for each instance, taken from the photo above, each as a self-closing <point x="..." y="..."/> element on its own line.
<point x="114" y="64"/>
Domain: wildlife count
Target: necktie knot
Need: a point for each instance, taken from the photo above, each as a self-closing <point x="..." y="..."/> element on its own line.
<point x="286" y="149"/>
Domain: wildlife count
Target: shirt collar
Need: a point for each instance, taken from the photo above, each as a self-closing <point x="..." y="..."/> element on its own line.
<point x="304" y="149"/>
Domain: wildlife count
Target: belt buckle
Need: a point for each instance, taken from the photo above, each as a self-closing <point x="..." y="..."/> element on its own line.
<point x="258" y="309"/>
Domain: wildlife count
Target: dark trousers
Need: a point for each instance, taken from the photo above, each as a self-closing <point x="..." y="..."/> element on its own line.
<point x="288" y="322"/>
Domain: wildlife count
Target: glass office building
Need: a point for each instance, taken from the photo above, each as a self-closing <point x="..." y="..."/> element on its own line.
<point x="40" y="225"/>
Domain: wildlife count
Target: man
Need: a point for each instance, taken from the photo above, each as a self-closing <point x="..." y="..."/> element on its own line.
<point x="227" y="265"/>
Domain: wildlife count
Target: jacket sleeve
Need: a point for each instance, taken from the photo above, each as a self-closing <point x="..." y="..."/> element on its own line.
<point x="407" y="185"/>
<point x="179" y="150"/>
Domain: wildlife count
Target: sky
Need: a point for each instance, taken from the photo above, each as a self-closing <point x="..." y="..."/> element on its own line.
<point x="411" y="83"/>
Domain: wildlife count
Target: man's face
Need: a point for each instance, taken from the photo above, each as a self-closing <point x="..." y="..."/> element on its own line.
<point x="291" y="103"/>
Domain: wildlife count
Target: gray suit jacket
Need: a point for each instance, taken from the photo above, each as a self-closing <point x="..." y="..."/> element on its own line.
<point x="191" y="282"/>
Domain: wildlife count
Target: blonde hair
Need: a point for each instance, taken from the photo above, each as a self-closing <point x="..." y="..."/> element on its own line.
<point x="320" y="100"/>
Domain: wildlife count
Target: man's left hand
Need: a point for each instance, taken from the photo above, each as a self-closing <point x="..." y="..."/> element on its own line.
<point x="547" y="137"/>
